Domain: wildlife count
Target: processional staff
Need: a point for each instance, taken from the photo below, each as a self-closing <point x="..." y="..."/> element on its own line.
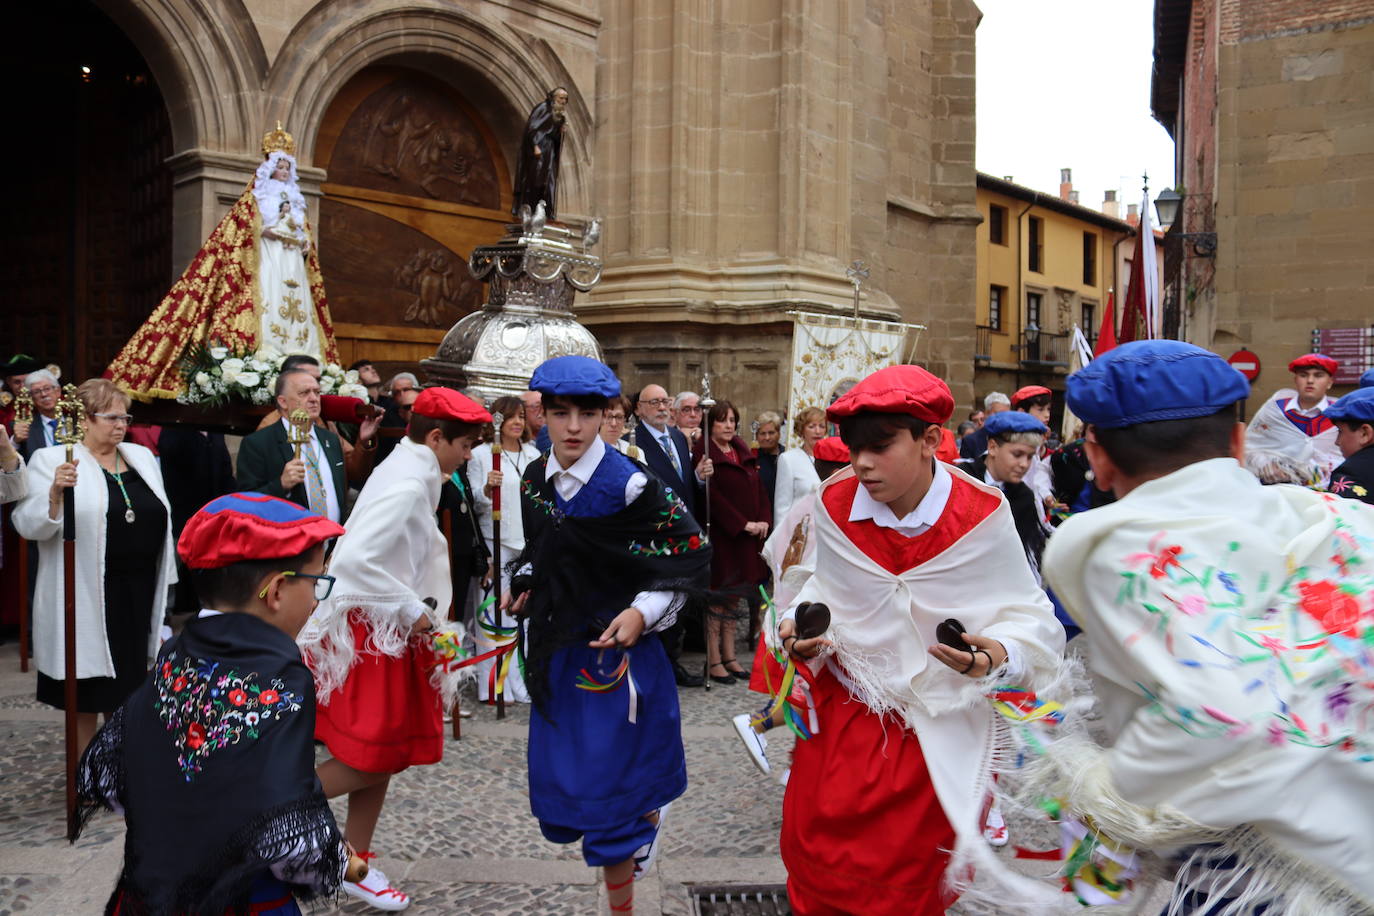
<point x="23" y="413"/>
<point x="497" y="617"/>
<point x="706" y="402"/>
<point x="71" y="429"/>
<point x="300" y="430"/>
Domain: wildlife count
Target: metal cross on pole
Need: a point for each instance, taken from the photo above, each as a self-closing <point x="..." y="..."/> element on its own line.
<point x="857" y="273"/>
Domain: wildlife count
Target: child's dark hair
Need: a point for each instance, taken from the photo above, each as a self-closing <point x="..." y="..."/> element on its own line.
<point x="235" y="585"/>
<point x="825" y="468"/>
<point x="867" y="429"/>
<point x="1040" y="400"/>
<point x="419" y="427"/>
<point x="580" y="401"/>
<point x="1164" y="446"/>
<point x="1353" y="426"/>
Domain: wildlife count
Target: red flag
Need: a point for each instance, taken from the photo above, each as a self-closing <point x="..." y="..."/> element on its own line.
<point x="1106" y="338"/>
<point x="1133" y="324"/>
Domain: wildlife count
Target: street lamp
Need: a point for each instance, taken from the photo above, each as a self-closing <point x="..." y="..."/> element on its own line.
<point x="1166" y="205"/>
<point x="1032" y="333"/>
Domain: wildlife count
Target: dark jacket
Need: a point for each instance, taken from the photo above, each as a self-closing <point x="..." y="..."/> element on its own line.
<point x="737" y="497"/>
<point x="263" y="454"/>
<point x="468" y="553"/>
<point x="1354" y="479"/>
<point x="768" y="471"/>
<point x="688" y="490"/>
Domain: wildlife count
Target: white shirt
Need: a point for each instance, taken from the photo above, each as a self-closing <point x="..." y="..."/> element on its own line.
<point x="331" y="499"/>
<point x="1318" y="408"/>
<point x="992" y="481"/>
<point x="659" y="608"/>
<point x="918" y="520"/>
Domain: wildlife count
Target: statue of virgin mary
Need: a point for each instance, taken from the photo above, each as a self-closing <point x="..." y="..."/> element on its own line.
<point x="255" y="284"/>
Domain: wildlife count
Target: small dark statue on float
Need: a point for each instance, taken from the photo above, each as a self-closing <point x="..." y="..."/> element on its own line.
<point x="536" y="172"/>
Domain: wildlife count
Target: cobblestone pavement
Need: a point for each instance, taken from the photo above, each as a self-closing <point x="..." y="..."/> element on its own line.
<point x="457" y="836"/>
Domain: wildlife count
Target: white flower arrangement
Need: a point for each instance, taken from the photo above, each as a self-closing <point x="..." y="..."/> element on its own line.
<point x="218" y="374"/>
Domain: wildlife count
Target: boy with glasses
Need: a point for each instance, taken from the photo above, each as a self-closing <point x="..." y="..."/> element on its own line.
<point x="374" y="659"/>
<point x="211" y="760"/>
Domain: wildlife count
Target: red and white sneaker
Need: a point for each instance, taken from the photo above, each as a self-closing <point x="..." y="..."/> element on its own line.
<point x="375" y="890"/>
<point x="995" y="828"/>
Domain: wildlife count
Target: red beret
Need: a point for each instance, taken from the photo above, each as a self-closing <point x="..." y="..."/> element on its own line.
<point x="948" y="451"/>
<point x="441" y="403"/>
<point x="832" y="448"/>
<point x="1313" y="361"/>
<point x="251" y="526"/>
<point x="897" y="389"/>
<point x="1028" y="392"/>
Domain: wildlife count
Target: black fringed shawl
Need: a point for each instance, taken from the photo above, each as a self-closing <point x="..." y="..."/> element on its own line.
<point x="586" y="570"/>
<point x="212" y="760"/>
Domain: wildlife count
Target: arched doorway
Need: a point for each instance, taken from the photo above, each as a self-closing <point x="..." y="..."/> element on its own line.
<point x="87" y="251"/>
<point x="416" y="180"/>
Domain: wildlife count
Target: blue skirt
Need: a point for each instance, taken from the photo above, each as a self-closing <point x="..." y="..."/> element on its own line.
<point x="590" y="766"/>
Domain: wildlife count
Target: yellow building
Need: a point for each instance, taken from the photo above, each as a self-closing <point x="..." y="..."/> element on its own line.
<point x="1045" y="264"/>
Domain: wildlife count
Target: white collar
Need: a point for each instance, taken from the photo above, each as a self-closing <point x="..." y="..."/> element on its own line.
<point x="209" y="612"/>
<point x="1320" y="406"/>
<point x="658" y="432"/>
<point x="992" y="481"/>
<point x="582" y="468"/>
<point x="926" y="513"/>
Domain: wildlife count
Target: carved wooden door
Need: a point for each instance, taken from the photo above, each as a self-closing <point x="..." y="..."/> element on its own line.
<point x="415" y="182"/>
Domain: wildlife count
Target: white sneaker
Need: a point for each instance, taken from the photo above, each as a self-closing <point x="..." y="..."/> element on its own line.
<point x="786" y="775"/>
<point x="995" y="829"/>
<point x="754" y="742"/>
<point x="376" y="891"/>
<point x="646" y="854"/>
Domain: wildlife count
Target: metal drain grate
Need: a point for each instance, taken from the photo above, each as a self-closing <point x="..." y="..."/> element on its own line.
<point x="740" y="900"/>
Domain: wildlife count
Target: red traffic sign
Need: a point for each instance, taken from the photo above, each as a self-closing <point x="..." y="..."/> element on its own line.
<point x="1246" y="363"/>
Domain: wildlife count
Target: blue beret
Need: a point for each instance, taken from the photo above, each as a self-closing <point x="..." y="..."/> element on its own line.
<point x="1146" y="381"/>
<point x="574" y="375"/>
<point x="1006" y="422"/>
<point x="1367" y="380"/>
<point x="1355" y="407"/>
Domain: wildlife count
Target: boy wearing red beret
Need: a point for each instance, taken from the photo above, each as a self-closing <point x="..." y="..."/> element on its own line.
<point x="898" y="535"/>
<point x="1290" y="439"/>
<point x="212" y="759"/>
<point x="381" y="691"/>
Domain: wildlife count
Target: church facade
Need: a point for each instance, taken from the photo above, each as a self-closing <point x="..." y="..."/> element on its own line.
<point x="740" y="156"/>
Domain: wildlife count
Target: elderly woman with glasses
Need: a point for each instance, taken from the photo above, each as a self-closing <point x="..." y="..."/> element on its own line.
<point x="124" y="558"/>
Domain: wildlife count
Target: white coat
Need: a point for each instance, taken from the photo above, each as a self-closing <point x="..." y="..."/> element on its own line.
<point x="92" y="502"/>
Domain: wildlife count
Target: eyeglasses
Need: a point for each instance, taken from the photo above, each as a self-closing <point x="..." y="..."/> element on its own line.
<point x="615" y="418"/>
<point x="695" y="408"/>
<point x="42" y="389"/>
<point x="657" y="402"/>
<point x="323" y="584"/>
<point x="115" y="417"/>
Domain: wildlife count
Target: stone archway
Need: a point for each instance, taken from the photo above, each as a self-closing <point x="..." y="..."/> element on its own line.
<point x="501" y="77"/>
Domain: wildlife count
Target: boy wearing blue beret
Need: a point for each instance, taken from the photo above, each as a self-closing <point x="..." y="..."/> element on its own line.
<point x="1014" y="439"/>
<point x="1354" y="419"/>
<point x="610" y="556"/>
<point x="211" y="761"/>
<point x="1228" y="625"/>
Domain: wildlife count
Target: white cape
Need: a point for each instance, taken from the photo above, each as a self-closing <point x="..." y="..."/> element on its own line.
<point x="1276" y="451"/>
<point x="391" y="558"/>
<point x="1209" y="603"/>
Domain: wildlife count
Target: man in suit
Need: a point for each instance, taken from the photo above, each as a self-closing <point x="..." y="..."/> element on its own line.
<point x="669" y="457"/>
<point x="44" y="389"/>
<point x="316" y="480"/>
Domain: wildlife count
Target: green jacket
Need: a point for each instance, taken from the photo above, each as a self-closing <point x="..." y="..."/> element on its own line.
<point x="263" y="454"/>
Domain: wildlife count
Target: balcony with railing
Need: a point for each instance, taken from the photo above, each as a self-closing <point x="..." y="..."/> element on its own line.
<point x="982" y="344"/>
<point x="1043" y="350"/>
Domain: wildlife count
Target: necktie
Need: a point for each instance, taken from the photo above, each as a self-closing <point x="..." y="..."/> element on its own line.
<point x="672" y="453"/>
<point x="314" y="481"/>
<point x="52" y="431"/>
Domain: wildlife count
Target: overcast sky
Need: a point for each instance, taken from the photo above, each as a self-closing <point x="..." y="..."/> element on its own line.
<point x="1066" y="84"/>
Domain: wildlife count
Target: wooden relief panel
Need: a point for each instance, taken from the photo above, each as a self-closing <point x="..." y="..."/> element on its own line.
<point x="411" y="136"/>
<point x="379" y="271"/>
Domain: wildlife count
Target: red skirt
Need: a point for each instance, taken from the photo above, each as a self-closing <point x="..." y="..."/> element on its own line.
<point x="386" y="715"/>
<point x="862" y="828"/>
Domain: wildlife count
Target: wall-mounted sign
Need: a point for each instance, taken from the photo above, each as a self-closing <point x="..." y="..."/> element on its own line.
<point x="1246" y="363"/>
<point x="1351" y="348"/>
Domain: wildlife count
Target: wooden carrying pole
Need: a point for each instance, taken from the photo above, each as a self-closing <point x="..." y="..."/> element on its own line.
<point x="23" y="413"/>
<point x="69" y="431"/>
<point x="496" y="615"/>
<point x="453" y="608"/>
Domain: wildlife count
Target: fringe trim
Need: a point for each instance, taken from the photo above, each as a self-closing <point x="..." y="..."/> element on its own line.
<point x="100" y="775"/>
<point x="1264" y="876"/>
<point x="326" y="642"/>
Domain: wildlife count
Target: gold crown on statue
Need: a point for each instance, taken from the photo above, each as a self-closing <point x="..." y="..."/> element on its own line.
<point x="278" y="141"/>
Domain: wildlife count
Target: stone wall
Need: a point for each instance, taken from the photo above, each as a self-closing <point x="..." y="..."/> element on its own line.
<point x="1295" y="179"/>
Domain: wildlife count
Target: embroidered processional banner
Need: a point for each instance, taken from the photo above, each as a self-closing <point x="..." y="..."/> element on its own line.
<point x="830" y="354"/>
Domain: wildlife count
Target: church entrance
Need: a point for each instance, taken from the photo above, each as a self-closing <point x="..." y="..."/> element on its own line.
<point x="87" y="242"/>
<point x="416" y="180"/>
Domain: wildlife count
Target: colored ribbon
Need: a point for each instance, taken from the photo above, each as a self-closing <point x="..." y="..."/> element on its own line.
<point x="621" y="675"/>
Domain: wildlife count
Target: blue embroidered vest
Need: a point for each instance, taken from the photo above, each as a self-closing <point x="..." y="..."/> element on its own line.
<point x="604" y="494"/>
